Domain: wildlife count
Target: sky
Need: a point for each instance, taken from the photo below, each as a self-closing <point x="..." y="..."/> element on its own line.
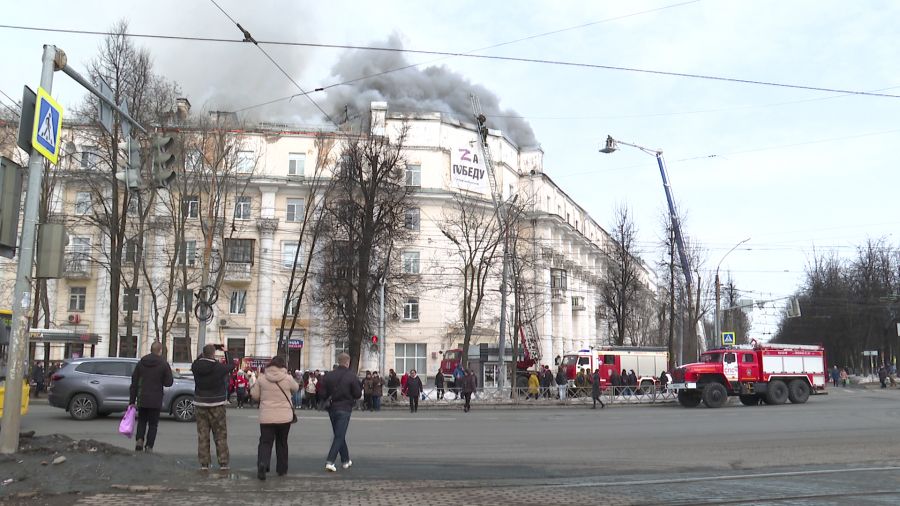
<point x="797" y="171"/>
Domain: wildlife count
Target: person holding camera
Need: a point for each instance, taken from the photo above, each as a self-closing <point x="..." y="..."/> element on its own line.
<point x="210" y="396"/>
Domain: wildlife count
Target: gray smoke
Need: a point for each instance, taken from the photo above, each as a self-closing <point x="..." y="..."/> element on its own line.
<point x="415" y="89"/>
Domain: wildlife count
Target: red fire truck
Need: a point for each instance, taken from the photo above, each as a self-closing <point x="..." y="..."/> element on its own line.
<point x="647" y="362"/>
<point x="773" y="373"/>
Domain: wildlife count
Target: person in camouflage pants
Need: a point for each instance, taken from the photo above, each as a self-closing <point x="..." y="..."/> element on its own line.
<point x="210" y="396"/>
<point x="212" y="419"/>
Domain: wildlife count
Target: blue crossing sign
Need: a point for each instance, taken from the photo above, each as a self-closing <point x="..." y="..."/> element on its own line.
<point x="47" y="126"/>
<point x="727" y="338"/>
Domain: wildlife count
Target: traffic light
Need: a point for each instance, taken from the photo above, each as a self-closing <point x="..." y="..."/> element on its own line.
<point x="131" y="174"/>
<point x="374" y="340"/>
<point x="10" y="201"/>
<point x="163" y="160"/>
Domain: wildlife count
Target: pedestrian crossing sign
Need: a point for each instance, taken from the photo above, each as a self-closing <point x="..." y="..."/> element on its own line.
<point x="727" y="338"/>
<point x="47" y="126"/>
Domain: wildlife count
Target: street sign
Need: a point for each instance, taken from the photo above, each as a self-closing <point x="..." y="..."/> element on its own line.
<point x="294" y="344"/>
<point x="727" y="338"/>
<point x="47" y="126"/>
<point x="870" y="353"/>
<point x="106" y="112"/>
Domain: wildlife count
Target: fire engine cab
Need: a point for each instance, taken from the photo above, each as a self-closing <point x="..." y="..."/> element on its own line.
<point x="647" y="362"/>
<point x="773" y="373"/>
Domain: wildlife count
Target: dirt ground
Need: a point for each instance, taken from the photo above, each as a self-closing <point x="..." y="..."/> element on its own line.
<point x="89" y="466"/>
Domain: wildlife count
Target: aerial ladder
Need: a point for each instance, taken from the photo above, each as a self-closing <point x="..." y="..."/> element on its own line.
<point x="526" y="332"/>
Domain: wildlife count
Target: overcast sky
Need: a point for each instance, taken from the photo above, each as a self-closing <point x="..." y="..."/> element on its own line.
<point x="795" y="170"/>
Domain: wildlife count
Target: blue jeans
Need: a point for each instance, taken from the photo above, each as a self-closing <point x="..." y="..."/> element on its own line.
<point x="340" y="421"/>
<point x="376" y="402"/>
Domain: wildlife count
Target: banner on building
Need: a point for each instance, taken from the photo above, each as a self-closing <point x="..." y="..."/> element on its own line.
<point x="467" y="170"/>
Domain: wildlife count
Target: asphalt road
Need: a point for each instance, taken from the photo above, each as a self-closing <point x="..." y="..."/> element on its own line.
<point x="836" y="449"/>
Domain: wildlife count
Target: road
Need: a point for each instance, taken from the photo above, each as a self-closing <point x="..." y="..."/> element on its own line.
<point x="836" y="449"/>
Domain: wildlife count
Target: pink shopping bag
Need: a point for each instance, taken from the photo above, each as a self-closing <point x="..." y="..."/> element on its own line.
<point x="126" y="426"/>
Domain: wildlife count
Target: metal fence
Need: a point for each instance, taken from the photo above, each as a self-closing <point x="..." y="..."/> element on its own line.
<point x="492" y="396"/>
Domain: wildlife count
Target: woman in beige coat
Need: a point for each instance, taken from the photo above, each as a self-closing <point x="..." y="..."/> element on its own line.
<point x="273" y="391"/>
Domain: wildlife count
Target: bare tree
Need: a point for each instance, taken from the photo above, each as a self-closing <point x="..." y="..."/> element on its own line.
<point x="471" y="227"/>
<point x="621" y="287"/>
<point x="733" y="316"/>
<point x="308" y="240"/>
<point x="364" y="218"/>
<point x="129" y="72"/>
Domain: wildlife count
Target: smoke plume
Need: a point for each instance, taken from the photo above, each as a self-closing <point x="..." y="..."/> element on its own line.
<point x="415" y="89"/>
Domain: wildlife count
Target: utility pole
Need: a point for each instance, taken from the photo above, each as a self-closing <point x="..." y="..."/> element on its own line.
<point x="18" y="331"/>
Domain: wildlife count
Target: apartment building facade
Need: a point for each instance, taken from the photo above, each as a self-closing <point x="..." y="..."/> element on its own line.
<point x="264" y="221"/>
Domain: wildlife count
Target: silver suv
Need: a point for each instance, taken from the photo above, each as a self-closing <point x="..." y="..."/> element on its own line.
<point x="91" y="387"/>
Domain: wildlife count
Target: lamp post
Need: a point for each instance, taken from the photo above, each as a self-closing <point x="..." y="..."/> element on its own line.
<point x="718" y="287"/>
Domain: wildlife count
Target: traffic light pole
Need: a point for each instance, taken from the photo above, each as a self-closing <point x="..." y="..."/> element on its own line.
<point x="18" y="331"/>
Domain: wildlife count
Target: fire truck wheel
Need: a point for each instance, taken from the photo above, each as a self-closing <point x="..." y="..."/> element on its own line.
<point x="799" y="391"/>
<point x="777" y="392"/>
<point x="714" y="395"/>
<point x="750" y="400"/>
<point x="689" y="398"/>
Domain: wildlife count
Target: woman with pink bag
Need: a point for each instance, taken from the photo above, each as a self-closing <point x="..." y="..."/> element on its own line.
<point x="150" y="375"/>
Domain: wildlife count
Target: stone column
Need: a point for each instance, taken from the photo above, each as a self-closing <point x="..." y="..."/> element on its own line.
<point x="266" y="341"/>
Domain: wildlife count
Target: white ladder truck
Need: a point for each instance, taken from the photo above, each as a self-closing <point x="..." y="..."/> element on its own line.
<point x="527" y="332"/>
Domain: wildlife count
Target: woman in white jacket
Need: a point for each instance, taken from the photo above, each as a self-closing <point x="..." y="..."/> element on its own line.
<point x="273" y="391"/>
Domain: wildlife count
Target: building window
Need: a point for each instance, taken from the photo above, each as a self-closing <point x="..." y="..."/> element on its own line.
<point x="188" y="254"/>
<point x="190" y="206"/>
<point x="238" y="302"/>
<point x="82" y="203"/>
<point x="77" y="298"/>
<point x="89" y="157"/>
<point x="130" y="251"/>
<point x="134" y="207"/>
<point x="184" y="301"/>
<point x="236" y="347"/>
<point x="295" y="209"/>
<point x="242" y="208"/>
<point x="294" y="305"/>
<point x="181" y="352"/>
<point x="127" y="348"/>
<point x="411" y="309"/>
<point x="193" y="160"/>
<point x="558" y="279"/>
<point x="239" y="251"/>
<point x="81" y="254"/>
<point x="414" y="175"/>
<point x="410" y="262"/>
<point x="245" y="162"/>
<point x="296" y="164"/>
<point x="130" y="299"/>
<point x="577" y="303"/>
<point x="410" y="356"/>
<point x="341" y="347"/>
<point x="288" y="253"/>
<point x="342" y="259"/>
<point x="411" y="219"/>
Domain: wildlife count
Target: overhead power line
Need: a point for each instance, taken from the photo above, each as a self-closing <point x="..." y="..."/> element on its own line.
<point x="249" y="38"/>
<point x="542" y="61"/>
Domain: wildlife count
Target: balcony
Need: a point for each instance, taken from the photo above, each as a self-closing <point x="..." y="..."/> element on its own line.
<point x="77" y="268"/>
<point x="557" y="295"/>
<point x="237" y="273"/>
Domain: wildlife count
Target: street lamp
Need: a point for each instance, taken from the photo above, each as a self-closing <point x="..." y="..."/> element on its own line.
<point x="611" y="146"/>
<point x="718" y="322"/>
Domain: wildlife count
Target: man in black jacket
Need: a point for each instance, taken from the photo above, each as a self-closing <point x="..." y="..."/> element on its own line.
<point x="341" y="386"/>
<point x="146" y="394"/>
<point x="210" y="395"/>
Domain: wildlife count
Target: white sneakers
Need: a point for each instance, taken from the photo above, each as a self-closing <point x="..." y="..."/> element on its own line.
<point x="332" y="469"/>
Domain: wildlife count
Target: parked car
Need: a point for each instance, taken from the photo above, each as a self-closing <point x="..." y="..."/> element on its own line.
<point x="92" y="387"/>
